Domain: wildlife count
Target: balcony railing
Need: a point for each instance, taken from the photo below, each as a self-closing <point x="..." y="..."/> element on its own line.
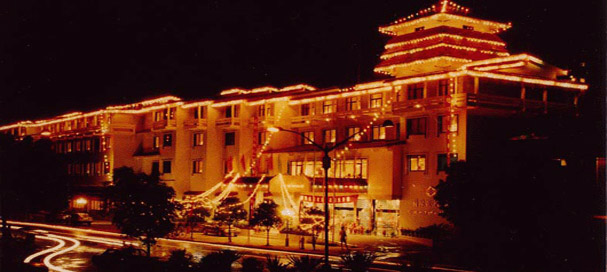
<point x="195" y="123"/>
<point x="164" y="124"/>
<point x="228" y="122"/>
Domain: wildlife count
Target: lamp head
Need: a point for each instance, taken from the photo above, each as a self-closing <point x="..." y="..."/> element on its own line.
<point x="388" y="124"/>
<point x="273" y="129"/>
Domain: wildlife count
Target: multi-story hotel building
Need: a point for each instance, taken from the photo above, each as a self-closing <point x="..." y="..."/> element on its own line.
<point x="442" y="71"/>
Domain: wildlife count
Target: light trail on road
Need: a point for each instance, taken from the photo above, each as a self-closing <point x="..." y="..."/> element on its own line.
<point x="47" y="260"/>
<point x="46" y="251"/>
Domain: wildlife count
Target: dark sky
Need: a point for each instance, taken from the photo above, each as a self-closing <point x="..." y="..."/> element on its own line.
<point x="59" y="56"/>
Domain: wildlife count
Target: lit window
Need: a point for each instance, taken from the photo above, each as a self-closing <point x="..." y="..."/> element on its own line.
<point x="296" y="168"/>
<point x="416" y="126"/>
<point x="329" y="106"/>
<point x="420" y="28"/>
<point x="354" y="131"/>
<point x="445" y="124"/>
<point x="198" y="139"/>
<point x="261" y="110"/>
<point x="415" y="91"/>
<point x="167" y="140"/>
<point x="417" y="163"/>
<point x="166" y="167"/>
<point x="88" y="144"/>
<point x="156" y="142"/>
<point x="309" y="135"/>
<point x="199" y="112"/>
<point x="376" y="100"/>
<point x="172" y="112"/>
<point x="68" y="147"/>
<point x="378" y="133"/>
<point x="230" y="138"/>
<point x="353" y="103"/>
<point x="330" y="136"/>
<point x="196" y="166"/>
<point x="307" y="109"/>
<point x="158" y="115"/>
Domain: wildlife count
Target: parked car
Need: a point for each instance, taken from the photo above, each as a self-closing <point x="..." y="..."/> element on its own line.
<point x="75" y="218"/>
<point x="219" y="230"/>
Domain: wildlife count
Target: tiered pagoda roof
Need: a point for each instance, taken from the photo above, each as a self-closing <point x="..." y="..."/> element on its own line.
<point x="439" y="38"/>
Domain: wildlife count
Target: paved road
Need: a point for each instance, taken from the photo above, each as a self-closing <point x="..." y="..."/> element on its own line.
<point x="69" y="249"/>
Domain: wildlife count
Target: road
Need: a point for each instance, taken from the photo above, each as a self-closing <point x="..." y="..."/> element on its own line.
<point x="69" y="249"/>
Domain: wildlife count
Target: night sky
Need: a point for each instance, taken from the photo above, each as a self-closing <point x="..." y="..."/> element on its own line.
<point x="61" y="56"/>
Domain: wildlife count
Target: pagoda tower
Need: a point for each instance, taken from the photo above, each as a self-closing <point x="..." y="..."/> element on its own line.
<point x="438" y="39"/>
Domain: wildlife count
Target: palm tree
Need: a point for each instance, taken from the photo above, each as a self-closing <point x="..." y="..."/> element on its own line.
<point x="219" y="261"/>
<point x="304" y="263"/>
<point x="275" y="265"/>
<point x="358" y="261"/>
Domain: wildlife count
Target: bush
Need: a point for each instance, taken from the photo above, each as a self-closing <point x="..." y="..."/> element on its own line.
<point x="252" y="265"/>
<point x="358" y="261"/>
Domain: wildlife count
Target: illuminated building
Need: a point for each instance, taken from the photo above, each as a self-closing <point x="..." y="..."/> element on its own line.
<point x="444" y="68"/>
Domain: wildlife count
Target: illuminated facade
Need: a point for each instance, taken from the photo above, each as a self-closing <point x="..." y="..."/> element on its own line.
<point x="444" y="68"/>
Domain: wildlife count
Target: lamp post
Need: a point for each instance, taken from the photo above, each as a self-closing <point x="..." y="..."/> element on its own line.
<point x="326" y="164"/>
<point x="288" y="213"/>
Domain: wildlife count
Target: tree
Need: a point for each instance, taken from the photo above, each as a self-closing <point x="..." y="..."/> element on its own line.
<point x="519" y="211"/>
<point x="265" y="215"/>
<point x="142" y="206"/>
<point x="230" y="211"/>
<point x="29" y="170"/>
<point x="196" y="216"/>
<point x="358" y="261"/>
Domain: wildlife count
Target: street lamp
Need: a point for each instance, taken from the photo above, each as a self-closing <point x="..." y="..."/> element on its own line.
<point x="326" y="164"/>
<point x="288" y="213"/>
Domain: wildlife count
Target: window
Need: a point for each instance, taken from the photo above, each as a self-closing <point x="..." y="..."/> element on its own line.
<point x="353" y="131"/>
<point x="415" y="91"/>
<point x="261" y="137"/>
<point x="198" y="139"/>
<point x="269" y="110"/>
<point x="155" y="168"/>
<point x="230" y="138"/>
<point x="309" y="135"/>
<point x="344" y="168"/>
<point x="441" y="162"/>
<point x="158" y="115"/>
<point x="172" y="112"/>
<point x="167" y="140"/>
<point x="400" y="95"/>
<point x="353" y="103"/>
<point x="156" y="142"/>
<point x="445" y="125"/>
<point x="417" y="163"/>
<point x="443" y="87"/>
<point x="78" y="145"/>
<point x="468" y="27"/>
<point x="378" y="133"/>
<point x="228" y="112"/>
<point x="261" y="110"/>
<point x="419" y="28"/>
<point x="307" y="109"/>
<point x="199" y="113"/>
<point x="376" y="100"/>
<point x="196" y="166"/>
<point x="330" y="136"/>
<point x="416" y="126"/>
<point x="88" y="144"/>
<point x="68" y="147"/>
<point x="231" y="111"/>
<point x="296" y="168"/>
<point x="329" y="106"/>
<point x="166" y="167"/>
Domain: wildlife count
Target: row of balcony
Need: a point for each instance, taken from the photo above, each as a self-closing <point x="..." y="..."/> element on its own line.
<point x="460" y="100"/>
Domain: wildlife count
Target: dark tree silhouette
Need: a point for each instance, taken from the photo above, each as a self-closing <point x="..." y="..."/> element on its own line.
<point x="229" y="212"/>
<point x="522" y="210"/>
<point x="29" y="171"/>
<point x="142" y="206"/>
<point x="266" y="216"/>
